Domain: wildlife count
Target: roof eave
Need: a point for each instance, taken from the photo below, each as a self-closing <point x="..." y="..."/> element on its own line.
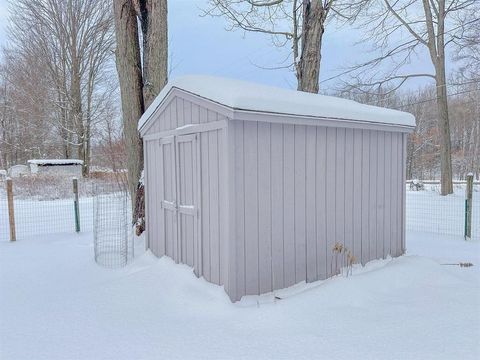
<point x="273" y="117"/>
<point x="255" y="115"/>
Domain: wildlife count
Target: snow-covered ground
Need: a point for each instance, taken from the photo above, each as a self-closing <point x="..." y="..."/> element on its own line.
<point x="56" y="303"/>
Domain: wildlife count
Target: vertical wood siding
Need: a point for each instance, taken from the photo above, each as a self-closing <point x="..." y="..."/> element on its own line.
<point x="298" y="190"/>
<point x="208" y="254"/>
<point x="275" y="198"/>
<point x="179" y="112"/>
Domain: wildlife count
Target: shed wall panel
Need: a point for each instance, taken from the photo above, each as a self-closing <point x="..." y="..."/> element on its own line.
<point x="339" y="196"/>
<point x="205" y="196"/>
<point x="380" y="194"/>
<point x="373" y="174"/>
<point x="330" y="201"/>
<point x="310" y="203"/>
<point x="300" y="189"/>
<point x="357" y="193"/>
<point x="264" y="208"/>
<point x="321" y="206"/>
<point x="239" y="221"/>
<point x="299" y="195"/>
<point x="289" y="204"/>
<point x="251" y="208"/>
<point x="277" y="160"/>
<point x="349" y="188"/>
<point x="365" y="190"/>
<point x="214" y="211"/>
<point x="388" y="179"/>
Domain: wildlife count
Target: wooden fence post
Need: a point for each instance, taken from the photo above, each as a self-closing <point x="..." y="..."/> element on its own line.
<point x="11" y="212"/>
<point x="468" y="207"/>
<point x="76" y="205"/>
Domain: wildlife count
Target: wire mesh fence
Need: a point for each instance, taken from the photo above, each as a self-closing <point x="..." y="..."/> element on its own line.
<point x="428" y="211"/>
<point x="113" y="240"/>
<point x="45" y="205"/>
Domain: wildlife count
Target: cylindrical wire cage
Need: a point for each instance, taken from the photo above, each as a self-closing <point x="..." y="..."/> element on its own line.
<point x="112" y="245"/>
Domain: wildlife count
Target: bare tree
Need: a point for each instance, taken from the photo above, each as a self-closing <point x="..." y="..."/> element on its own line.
<point x="25" y="111"/>
<point x="74" y="41"/>
<point x="141" y="79"/>
<point x="400" y="30"/>
<point x="298" y="23"/>
<point x="129" y="71"/>
<point x="468" y="47"/>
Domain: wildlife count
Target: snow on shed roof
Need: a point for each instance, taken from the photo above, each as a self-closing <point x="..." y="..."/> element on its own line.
<point x="55" y="162"/>
<point x="242" y="95"/>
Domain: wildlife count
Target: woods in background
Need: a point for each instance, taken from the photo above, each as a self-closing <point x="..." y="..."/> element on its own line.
<point x="423" y="156"/>
<point x="57" y="78"/>
<point x="61" y="97"/>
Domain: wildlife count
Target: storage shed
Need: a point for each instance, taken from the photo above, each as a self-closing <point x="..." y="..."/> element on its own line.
<point x="253" y="186"/>
<point x="56" y="166"/>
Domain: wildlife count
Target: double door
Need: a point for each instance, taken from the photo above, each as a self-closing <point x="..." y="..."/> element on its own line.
<point x="180" y="164"/>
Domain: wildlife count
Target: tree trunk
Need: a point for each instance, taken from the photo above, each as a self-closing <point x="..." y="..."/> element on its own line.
<point x="308" y="68"/>
<point x="76" y="98"/>
<point x="153" y="16"/>
<point x="129" y="70"/>
<point x="444" y="128"/>
<point x="436" y="46"/>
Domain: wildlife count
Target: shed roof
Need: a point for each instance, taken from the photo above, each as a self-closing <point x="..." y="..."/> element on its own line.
<point x="242" y="95"/>
<point x="55" y="162"/>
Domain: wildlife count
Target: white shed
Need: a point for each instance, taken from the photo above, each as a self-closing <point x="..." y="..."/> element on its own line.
<point x="253" y="186"/>
<point x="56" y="166"/>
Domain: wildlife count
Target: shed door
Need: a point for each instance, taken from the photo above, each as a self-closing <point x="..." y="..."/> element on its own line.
<point x="187" y="196"/>
<point x="168" y="196"/>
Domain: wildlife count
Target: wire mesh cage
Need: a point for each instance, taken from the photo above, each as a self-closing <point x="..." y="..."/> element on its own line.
<point x="113" y="240"/>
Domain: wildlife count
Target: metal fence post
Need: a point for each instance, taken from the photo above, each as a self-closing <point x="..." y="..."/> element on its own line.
<point x="76" y="205"/>
<point x="11" y="212"/>
<point x="468" y="207"/>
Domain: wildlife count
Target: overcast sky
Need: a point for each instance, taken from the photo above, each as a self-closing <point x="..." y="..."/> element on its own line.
<point x="200" y="45"/>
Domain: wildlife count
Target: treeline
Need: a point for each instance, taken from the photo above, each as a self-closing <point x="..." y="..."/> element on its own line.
<point x="60" y="98"/>
<point x="423" y="156"/>
<point x="423" y="160"/>
<point x="59" y="92"/>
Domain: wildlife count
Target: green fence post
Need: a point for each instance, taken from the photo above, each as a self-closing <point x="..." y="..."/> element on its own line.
<point x="76" y="206"/>
<point x="468" y="207"/>
<point x="11" y="212"/>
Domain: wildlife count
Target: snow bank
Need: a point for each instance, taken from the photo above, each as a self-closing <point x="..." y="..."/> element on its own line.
<point x="55" y="303"/>
<point x="244" y="95"/>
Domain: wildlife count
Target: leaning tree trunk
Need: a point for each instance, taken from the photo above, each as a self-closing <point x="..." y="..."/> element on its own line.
<point x="308" y="68"/>
<point x="129" y="70"/>
<point x="153" y="15"/>
<point x="153" y="21"/>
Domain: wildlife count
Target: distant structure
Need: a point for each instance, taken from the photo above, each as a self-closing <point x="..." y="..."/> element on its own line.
<point x="56" y="166"/>
<point x="259" y="188"/>
<point x="18" y="170"/>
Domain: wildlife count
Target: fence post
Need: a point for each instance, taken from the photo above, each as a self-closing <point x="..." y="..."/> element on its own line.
<point x="76" y="206"/>
<point x="11" y="212"/>
<point x="468" y="207"/>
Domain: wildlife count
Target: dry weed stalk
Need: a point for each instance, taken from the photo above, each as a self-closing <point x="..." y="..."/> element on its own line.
<point x="347" y="259"/>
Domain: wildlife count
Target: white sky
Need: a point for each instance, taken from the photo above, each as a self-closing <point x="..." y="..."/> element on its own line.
<point x="200" y="45"/>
